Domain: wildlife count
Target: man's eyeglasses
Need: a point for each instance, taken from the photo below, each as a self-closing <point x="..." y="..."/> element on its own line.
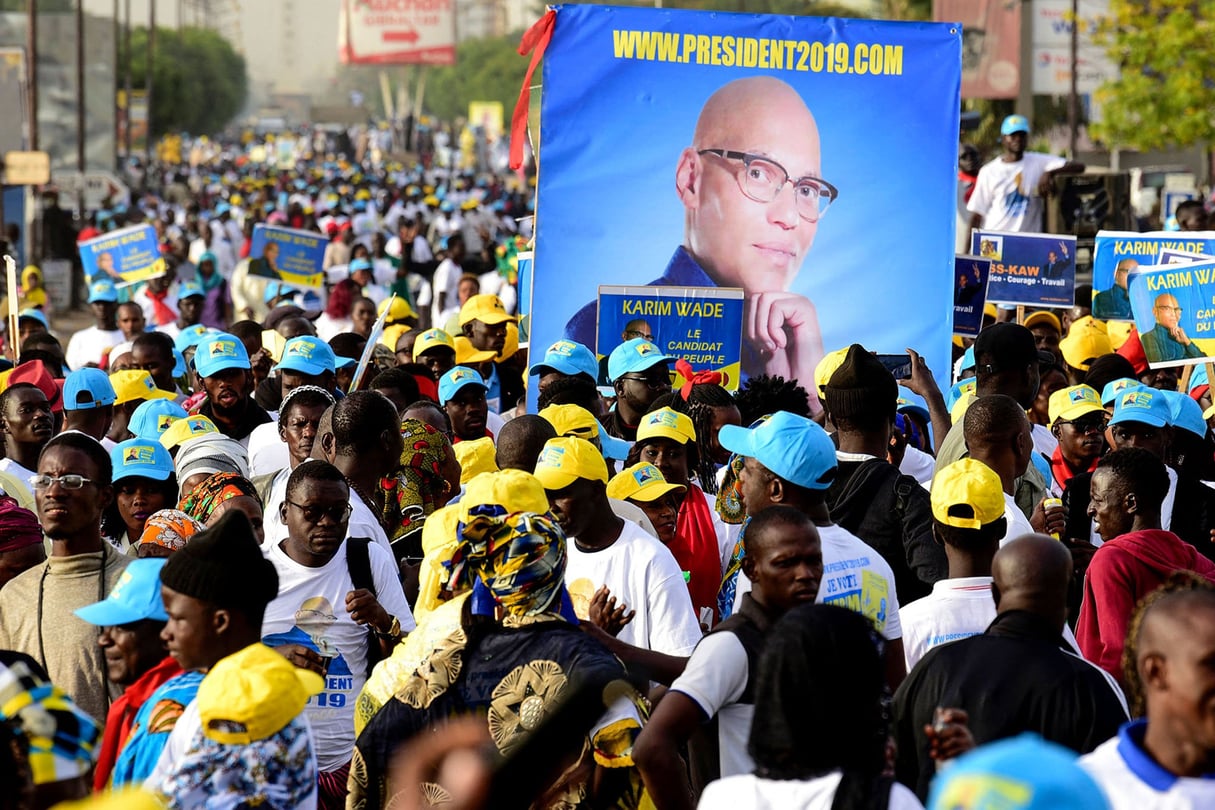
<point x="313" y="514"/>
<point x="1085" y="426"/>
<point x="1178" y="310"/>
<point x="763" y="179"/>
<point x="66" y="481"/>
<point x="653" y="383"/>
<point x="630" y="334"/>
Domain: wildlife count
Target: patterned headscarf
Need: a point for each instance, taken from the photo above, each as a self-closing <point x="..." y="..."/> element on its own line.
<point x="18" y="527"/>
<point x="419" y="481"/>
<point x="170" y="528"/>
<point x="520" y="558"/>
<point x="213" y="491"/>
<point x="62" y="738"/>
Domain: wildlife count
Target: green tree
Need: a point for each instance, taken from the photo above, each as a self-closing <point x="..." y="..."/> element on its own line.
<point x="199" y="83"/>
<point x="1164" y="94"/>
<point x="489" y="69"/>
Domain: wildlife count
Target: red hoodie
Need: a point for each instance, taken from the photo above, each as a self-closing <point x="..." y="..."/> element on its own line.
<point x="1122" y="572"/>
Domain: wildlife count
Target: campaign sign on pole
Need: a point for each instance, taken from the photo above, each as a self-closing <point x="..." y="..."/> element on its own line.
<point x="705" y="149"/>
<point x="1117" y="254"/>
<point x="1028" y="269"/>
<point x="702" y="325"/>
<point x="1174" y="310"/>
<point x="397" y="32"/>
<point x="288" y="255"/>
<point x="125" y="256"/>
<point x="1171" y="198"/>
<point x="969" y="294"/>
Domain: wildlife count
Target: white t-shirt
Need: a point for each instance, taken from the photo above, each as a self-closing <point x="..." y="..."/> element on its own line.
<point x="310" y="610"/>
<point x="754" y="793"/>
<point x="1018" y="524"/>
<point x="88" y="346"/>
<point x="640" y="572"/>
<point x="715" y="678"/>
<point x="1138" y="783"/>
<point x="362" y="523"/>
<point x="919" y="465"/>
<point x="446" y="280"/>
<point x="1044" y="441"/>
<point x="1006" y="193"/>
<point x="8" y="465"/>
<point x="267" y="450"/>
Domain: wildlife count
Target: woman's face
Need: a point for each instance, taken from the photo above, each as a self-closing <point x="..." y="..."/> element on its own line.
<point x="722" y="416"/>
<point x="137" y="499"/>
<point x="363" y="315"/>
<point x="663" y="513"/>
<point x="242" y="503"/>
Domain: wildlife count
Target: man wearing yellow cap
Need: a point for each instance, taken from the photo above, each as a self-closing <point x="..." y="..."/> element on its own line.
<point x="1078" y="421"/>
<point x="484" y="319"/>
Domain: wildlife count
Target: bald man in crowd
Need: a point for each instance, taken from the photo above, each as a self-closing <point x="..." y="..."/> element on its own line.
<point x="1167" y="340"/>
<point x="743" y="227"/>
<point x="1016" y="676"/>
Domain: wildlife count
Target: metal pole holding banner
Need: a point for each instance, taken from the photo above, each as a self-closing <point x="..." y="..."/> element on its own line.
<point x="10" y="272"/>
<point x="147" y="156"/>
<point x="80" y="161"/>
<point x="1073" y="97"/>
<point x="369" y="349"/>
<point x="126" y="82"/>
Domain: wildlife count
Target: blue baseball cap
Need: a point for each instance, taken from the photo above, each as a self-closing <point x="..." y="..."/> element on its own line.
<point x="179" y="363"/>
<point x="569" y="358"/>
<point x="141" y="458"/>
<point x="968" y="358"/>
<point x="36" y="314"/>
<point x="456" y="379"/>
<point x="637" y="354"/>
<point x="87" y="388"/>
<point x="307" y="355"/>
<point x="1021" y="773"/>
<point x="791" y="446"/>
<point x="960" y="389"/>
<point x="613" y="448"/>
<point x="136" y="596"/>
<point x="102" y="292"/>
<point x="191" y="336"/>
<point x="344" y="362"/>
<point x="275" y="289"/>
<point x="189" y="289"/>
<point x="153" y="418"/>
<point x="357" y="265"/>
<point x="1145" y="405"/>
<point x="1185" y="413"/>
<point x="909" y="400"/>
<point x="220" y="352"/>
<point x="1014" y="123"/>
<point x="1115" y="387"/>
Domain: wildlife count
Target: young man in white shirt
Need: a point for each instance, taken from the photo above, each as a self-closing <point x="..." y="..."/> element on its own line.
<point x="331" y="590"/>
<point x="785" y="566"/>
<point x="1164" y="760"/>
<point x="610" y="557"/>
<point x="89" y="346"/>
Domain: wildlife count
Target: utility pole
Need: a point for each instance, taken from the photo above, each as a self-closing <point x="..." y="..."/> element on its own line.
<point x="1073" y="97"/>
<point x="31" y="55"/>
<point x="126" y="78"/>
<point x="117" y="67"/>
<point x="80" y="158"/>
<point x="148" y="93"/>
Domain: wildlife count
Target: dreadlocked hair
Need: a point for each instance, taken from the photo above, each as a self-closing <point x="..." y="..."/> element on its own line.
<point x="1179" y="582"/>
<point x="766" y="394"/>
<point x="699" y="405"/>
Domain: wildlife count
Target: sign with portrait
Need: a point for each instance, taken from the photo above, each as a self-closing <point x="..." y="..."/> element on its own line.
<point x="1174" y="310"/>
<point x="287" y="254"/>
<point x="125" y="256"/>
<point x="969" y="294"/>
<point x="1117" y="254"/>
<point x="1028" y="269"/>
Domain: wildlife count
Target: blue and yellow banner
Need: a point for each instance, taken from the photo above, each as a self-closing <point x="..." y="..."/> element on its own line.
<point x="288" y="255"/>
<point x="703" y="149"/>
<point x="969" y="294"/>
<point x="1028" y="269"/>
<point x="125" y="256"/>
<point x="1117" y="254"/>
<point x="1174" y="309"/>
<point x="702" y="325"/>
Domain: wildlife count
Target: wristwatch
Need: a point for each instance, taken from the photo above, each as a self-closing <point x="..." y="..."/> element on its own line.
<point x="394" y="630"/>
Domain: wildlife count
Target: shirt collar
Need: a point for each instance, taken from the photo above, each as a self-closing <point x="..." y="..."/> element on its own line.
<point x="683" y="271"/>
<point x="1140" y="762"/>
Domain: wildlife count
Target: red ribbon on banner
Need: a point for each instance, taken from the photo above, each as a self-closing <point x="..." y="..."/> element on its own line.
<point x="684" y="369"/>
<point x="534" y="41"/>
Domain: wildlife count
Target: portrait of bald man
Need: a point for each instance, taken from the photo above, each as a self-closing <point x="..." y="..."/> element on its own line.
<point x="752" y="190"/>
<point x="1167" y="340"/>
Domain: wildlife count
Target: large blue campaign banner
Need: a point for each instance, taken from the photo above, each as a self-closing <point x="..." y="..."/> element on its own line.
<point x="1174" y="310"/>
<point x="126" y="256"/>
<point x="288" y="255"/>
<point x="1028" y="269"/>
<point x="809" y="161"/>
<point x="1117" y="254"/>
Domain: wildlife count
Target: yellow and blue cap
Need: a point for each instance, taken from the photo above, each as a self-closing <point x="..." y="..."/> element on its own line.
<point x="135" y="597"/>
<point x="87" y="388"/>
<point x="564" y="460"/>
<point x="666" y="423"/>
<point x="569" y="358"/>
<point x="183" y="430"/>
<point x="967" y="483"/>
<point x="154" y="417"/>
<point x="141" y="458"/>
<point x="1115" y="387"/>
<point x="637" y="354"/>
<point x="641" y="482"/>
<point x="252" y="695"/>
<point x="1145" y="405"/>
<point x="103" y="291"/>
<point x="220" y="352"/>
<point x="1073" y="402"/>
<point x="133" y="384"/>
<point x="791" y="446"/>
<point x="307" y="355"/>
<point x="456" y="379"/>
<point x="1014" y="123"/>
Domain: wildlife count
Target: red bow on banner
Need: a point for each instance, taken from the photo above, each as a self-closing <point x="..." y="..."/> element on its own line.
<point x="535" y="40"/>
<point x="684" y="368"/>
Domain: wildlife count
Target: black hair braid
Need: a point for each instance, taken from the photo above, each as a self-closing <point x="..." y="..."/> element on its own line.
<point x="701" y="401"/>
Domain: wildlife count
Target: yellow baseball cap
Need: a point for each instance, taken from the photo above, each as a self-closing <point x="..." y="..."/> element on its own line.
<point x="967" y="483"/>
<point x="136" y="384"/>
<point x="467" y="353"/>
<point x="571" y="420"/>
<point x="566" y="459"/>
<point x="511" y="346"/>
<point x="1043" y="316"/>
<point x="182" y="430"/>
<point x="666" y="423"/>
<point x="253" y="694"/>
<point x="392" y="333"/>
<point x="959" y="408"/>
<point x="1072" y="403"/>
<point x="641" y="482"/>
<point x="398" y="309"/>
<point x="513" y="490"/>
<point x="1085" y="341"/>
<point x="431" y="339"/>
<point x="476" y="457"/>
<point x="826" y="367"/>
<point x="486" y="308"/>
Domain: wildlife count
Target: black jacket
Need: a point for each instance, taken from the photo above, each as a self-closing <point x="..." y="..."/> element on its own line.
<point x="1015" y="677"/>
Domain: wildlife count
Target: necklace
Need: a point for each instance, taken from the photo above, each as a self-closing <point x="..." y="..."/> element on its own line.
<point x="372" y="503"/>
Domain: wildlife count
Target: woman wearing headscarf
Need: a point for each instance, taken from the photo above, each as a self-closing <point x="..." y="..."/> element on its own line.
<point x="207" y="454"/>
<point x="20" y="540"/>
<point x="821" y="670"/>
<point x="217" y="303"/>
<point x="427" y="478"/>
<point x="513" y="671"/>
<point x="165" y="532"/>
<point x="224" y="492"/>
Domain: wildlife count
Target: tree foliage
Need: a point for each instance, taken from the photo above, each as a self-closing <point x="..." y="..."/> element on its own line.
<point x="199" y="83"/>
<point x="1164" y="96"/>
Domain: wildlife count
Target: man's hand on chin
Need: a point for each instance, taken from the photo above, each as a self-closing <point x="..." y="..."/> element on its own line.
<point x="782" y="329"/>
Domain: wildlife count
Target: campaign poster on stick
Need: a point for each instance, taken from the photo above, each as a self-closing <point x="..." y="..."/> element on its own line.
<point x="125" y="256"/>
<point x="969" y="294"/>
<point x="702" y="325"/>
<point x="1117" y="254"/>
<point x="287" y="255"/>
<point x="1028" y="269"/>
<point x="721" y="150"/>
<point x="1174" y="310"/>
